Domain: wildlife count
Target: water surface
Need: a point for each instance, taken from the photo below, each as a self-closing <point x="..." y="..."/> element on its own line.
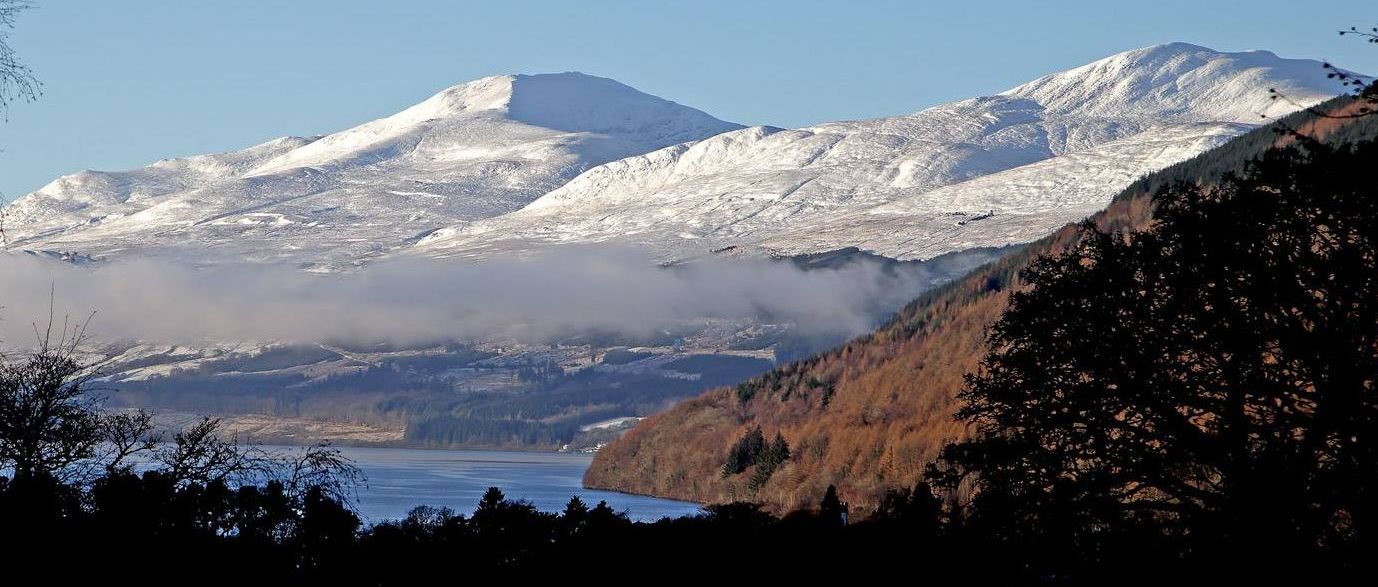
<point x="401" y="478"/>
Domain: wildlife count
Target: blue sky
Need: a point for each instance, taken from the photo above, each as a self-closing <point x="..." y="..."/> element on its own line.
<point x="133" y="81"/>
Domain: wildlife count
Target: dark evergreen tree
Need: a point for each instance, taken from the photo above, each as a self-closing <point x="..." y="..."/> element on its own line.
<point x="744" y="453"/>
<point x="575" y="517"/>
<point x="603" y="518"/>
<point x="778" y="451"/>
<point x="576" y="509"/>
<point x="492" y="500"/>
<point x="771" y="457"/>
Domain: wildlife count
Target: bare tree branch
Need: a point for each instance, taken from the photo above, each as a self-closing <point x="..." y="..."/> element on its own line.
<point x="17" y="81"/>
<point x="127" y="434"/>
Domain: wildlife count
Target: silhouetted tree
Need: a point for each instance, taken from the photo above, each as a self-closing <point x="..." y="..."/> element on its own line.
<point x="603" y="517"/>
<point x="491" y="501"/>
<point x="738" y="516"/>
<point x="832" y="510"/>
<point x="127" y="434"/>
<point x="321" y="467"/>
<point x="198" y="455"/>
<point x="1212" y="377"/>
<point x="511" y="533"/>
<point x="425" y="522"/>
<point x="53" y="425"/>
<point x="575" y="517"/>
<point x="917" y="508"/>
<point x="48" y="422"/>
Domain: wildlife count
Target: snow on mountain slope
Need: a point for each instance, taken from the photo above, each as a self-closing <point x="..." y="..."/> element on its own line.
<point x="1183" y="81"/>
<point x="507" y="164"/>
<point x="73" y="199"/>
<point x="1020" y="205"/>
<point x="1024" y="161"/>
<point x="472" y="151"/>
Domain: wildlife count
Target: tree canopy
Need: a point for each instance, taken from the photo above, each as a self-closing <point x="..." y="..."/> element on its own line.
<point x="1212" y="376"/>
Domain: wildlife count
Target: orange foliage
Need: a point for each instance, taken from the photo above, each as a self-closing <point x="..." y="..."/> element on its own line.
<point x="893" y="393"/>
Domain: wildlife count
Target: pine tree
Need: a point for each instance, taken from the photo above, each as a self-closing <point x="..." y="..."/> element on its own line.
<point x="770" y="458"/>
<point x="745" y="452"/>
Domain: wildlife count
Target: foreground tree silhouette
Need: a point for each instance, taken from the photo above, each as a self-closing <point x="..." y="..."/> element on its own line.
<point x="52" y="426"/>
<point x="1210" y="380"/>
<point x="48" y="422"/>
<point x="67" y="478"/>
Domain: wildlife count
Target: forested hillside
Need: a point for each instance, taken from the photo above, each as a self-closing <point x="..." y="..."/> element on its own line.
<point x="870" y="415"/>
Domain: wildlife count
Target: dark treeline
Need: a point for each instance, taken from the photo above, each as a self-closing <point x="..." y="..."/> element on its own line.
<point x="150" y="524"/>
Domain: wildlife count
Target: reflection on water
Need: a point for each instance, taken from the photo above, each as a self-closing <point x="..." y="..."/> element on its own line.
<point x="399" y="479"/>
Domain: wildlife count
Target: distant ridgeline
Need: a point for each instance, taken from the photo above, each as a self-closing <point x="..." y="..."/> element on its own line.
<point x="870" y="415"/>
<point x="411" y="397"/>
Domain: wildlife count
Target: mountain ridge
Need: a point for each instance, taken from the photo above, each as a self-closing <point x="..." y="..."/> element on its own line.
<point x="753" y="188"/>
<point x="511" y="164"/>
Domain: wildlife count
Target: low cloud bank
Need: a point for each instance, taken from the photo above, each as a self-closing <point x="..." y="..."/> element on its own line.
<point x="573" y="290"/>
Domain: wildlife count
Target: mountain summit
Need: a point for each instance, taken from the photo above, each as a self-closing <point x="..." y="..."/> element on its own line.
<point x="441" y="128"/>
<point x="1185" y="82"/>
<point x="471" y="151"/>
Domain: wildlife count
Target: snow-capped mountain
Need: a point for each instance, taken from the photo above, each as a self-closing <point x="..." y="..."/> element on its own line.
<point x="510" y="164"/>
<point x="986" y="171"/>
<point x="472" y="151"/>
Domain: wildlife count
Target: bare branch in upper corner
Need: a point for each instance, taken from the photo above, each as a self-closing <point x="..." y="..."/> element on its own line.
<point x="17" y="81"/>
